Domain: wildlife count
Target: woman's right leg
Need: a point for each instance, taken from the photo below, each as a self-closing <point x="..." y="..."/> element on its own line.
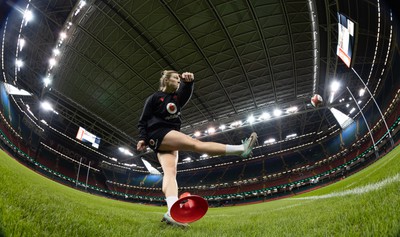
<point x="175" y="140"/>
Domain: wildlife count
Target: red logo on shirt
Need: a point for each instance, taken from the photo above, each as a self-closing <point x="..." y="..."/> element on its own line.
<point x="171" y="108"/>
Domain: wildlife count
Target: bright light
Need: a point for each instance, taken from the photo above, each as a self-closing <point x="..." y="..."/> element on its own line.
<point x="335" y="85"/>
<point x="52" y="62"/>
<point x="47" y="81"/>
<point x="222" y="127"/>
<point x="251" y="119"/>
<point x="21" y="43"/>
<point x="197" y="134"/>
<point x="236" y="124"/>
<point x="187" y="159"/>
<point x="63" y="35"/>
<point x="19" y="63"/>
<point x="56" y="52"/>
<point x="277" y="112"/>
<point x="125" y="151"/>
<point x="82" y="4"/>
<point x="211" y="130"/>
<point x="271" y="140"/>
<point x="204" y="156"/>
<point x="291" y="135"/>
<point x="352" y="110"/>
<point x="347" y="105"/>
<point x="359" y="102"/>
<point x="292" y="109"/>
<point x="362" y="92"/>
<point x="265" y="116"/>
<point x="47" y="106"/>
<point x="28" y="16"/>
<point x="129" y="165"/>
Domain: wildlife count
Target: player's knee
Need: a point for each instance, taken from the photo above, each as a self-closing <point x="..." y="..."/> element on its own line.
<point x="198" y="146"/>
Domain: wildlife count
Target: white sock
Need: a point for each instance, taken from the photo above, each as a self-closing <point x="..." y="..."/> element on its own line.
<point x="170" y="201"/>
<point x="234" y="149"/>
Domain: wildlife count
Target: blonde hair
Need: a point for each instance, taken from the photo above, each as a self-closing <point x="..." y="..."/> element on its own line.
<point x="166" y="74"/>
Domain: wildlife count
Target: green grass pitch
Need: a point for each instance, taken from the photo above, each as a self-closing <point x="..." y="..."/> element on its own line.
<point x="364" y="204"/>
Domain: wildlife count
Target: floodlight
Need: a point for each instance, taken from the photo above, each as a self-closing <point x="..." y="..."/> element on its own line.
<point x="251" y="119"/>
<point x="265" y="116"/>
<point x="21" y="43"/>
<point x="82" y="4"/>
<point x="56" y="52"/>
<point x="19" y="63"/>
<point x="47" y="106"/>
<point x="277" y="112"/>
<point x="28" y="16"/>
<point x="52" y="62"/>
<point x="362" y="92"/>
<point x="187" y="159"/>
<point x="291" y="135"/>
<point x="47" y="81"/>
<point x="335" y="85"/>
<point x="271" y="140"/>
<point x="63" y="35"/>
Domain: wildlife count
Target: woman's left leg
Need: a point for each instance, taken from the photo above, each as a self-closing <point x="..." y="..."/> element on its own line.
<point x="169" y="162"/>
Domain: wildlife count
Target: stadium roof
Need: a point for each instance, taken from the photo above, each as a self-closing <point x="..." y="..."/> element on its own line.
<point x="249" y="57"/>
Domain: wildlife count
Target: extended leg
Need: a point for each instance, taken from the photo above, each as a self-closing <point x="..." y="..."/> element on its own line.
<point x="175" y="140"/>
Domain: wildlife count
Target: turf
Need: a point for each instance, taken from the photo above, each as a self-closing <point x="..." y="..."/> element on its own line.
<point x="364" y="204"/>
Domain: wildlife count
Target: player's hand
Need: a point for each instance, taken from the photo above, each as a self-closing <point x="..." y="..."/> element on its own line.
<point x="187" y="77"/>
<point x="141" y="145"/>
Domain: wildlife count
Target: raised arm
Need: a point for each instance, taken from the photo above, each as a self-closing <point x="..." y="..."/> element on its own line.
<point x="186" y="89"/>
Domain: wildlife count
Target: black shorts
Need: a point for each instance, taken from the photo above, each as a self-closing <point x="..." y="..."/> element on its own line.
<point x="156" y="136"/>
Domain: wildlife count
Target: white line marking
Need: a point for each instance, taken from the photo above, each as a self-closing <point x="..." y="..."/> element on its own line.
<point x="356" y="191"/>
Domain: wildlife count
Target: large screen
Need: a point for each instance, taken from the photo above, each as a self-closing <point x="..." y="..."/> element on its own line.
<point x="88" y="137"/>
<point x="345" y="39"/>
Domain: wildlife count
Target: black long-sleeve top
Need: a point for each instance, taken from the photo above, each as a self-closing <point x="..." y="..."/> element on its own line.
<point x="164" y="109"/>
